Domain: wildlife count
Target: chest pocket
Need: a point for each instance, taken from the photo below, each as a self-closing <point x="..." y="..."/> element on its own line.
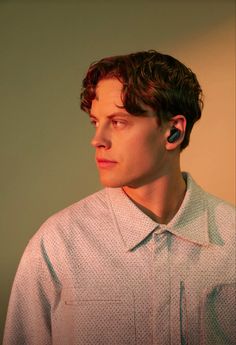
<point x="98" y="316"/>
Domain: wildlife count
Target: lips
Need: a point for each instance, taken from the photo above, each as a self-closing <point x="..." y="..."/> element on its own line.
<point x="105" y="163"/>
<point x="103" y="160"/>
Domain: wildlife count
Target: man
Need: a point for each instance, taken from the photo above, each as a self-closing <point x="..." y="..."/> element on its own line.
<point x="150" y="259"/>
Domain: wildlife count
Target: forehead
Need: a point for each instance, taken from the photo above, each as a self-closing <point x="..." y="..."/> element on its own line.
<point x="108" y="95"/>
<point x="107" y="88"/>
<point x="108" y="99"/>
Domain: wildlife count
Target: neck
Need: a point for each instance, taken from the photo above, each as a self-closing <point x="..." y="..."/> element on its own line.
<point x="160" y="199"/>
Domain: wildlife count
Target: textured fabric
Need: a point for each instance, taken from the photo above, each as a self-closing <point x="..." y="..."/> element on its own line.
<point x="102" y="272"/>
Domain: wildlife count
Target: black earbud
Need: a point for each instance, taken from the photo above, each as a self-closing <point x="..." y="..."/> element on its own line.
<point x="174" y="135"/>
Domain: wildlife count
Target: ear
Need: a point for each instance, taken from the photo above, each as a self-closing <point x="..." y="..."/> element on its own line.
<point x="178" y="122"/>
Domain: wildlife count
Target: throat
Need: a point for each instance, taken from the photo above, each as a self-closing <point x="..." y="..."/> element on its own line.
<point x="161" y="203"/>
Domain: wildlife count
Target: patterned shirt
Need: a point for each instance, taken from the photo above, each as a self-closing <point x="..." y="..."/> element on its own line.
<point x="101" y="272"/>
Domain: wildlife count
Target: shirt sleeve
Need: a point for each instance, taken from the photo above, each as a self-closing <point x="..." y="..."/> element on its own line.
<point x="28" y="317"/>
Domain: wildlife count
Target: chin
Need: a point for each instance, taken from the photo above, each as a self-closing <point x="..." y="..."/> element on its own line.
<point x="112" y="183"/>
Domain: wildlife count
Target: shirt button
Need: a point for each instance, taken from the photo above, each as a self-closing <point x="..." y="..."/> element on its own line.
<point x="159" y="231"/>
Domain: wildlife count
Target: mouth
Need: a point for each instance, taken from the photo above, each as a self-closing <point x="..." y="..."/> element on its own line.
<point x="105" y="163"/>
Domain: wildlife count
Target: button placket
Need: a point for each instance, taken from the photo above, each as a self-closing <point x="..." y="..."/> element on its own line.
<point x="161" y="287"/>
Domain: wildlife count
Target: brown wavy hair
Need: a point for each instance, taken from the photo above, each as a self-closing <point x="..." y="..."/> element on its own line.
<point x="151" y="78"/>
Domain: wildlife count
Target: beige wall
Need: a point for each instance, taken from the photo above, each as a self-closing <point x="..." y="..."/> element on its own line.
<point x="45" y="49"/>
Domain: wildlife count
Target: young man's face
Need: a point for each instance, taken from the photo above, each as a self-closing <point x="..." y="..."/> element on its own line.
<point x="130" y="150"/>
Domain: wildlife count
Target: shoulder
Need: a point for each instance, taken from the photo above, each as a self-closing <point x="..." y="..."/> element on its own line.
<point x="65" y="235"/>
<point x="210" y="202"/>
<point x="219" y="214"/>
<point x="83" y="215"/>
<point x="221" y="208"/>
<point x="90" y="206"/>
<point x="221" y="220"/>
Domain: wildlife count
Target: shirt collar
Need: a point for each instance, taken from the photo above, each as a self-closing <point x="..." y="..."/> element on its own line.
<point x="190" y="222"/>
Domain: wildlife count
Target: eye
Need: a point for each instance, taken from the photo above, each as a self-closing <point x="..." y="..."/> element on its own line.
<point x="93" y="122"/>
<point x="118" y="123"/>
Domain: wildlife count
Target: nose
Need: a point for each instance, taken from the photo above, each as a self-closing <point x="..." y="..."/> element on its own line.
<point x="101" y="139"/>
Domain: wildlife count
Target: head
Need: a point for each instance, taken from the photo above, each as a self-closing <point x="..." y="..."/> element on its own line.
<point x="135" y="102"/>
<point x="150" y="79"/>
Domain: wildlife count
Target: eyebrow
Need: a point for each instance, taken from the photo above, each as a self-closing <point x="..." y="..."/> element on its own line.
<point x="118" y="113"/>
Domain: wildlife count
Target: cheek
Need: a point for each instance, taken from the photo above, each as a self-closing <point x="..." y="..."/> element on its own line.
<point x="138" y="146"/>
<point x="140" y="152"/>
<point x="150" y="145"/>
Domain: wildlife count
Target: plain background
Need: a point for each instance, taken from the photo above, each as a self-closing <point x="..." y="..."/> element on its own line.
<point x="45" y="50"/>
